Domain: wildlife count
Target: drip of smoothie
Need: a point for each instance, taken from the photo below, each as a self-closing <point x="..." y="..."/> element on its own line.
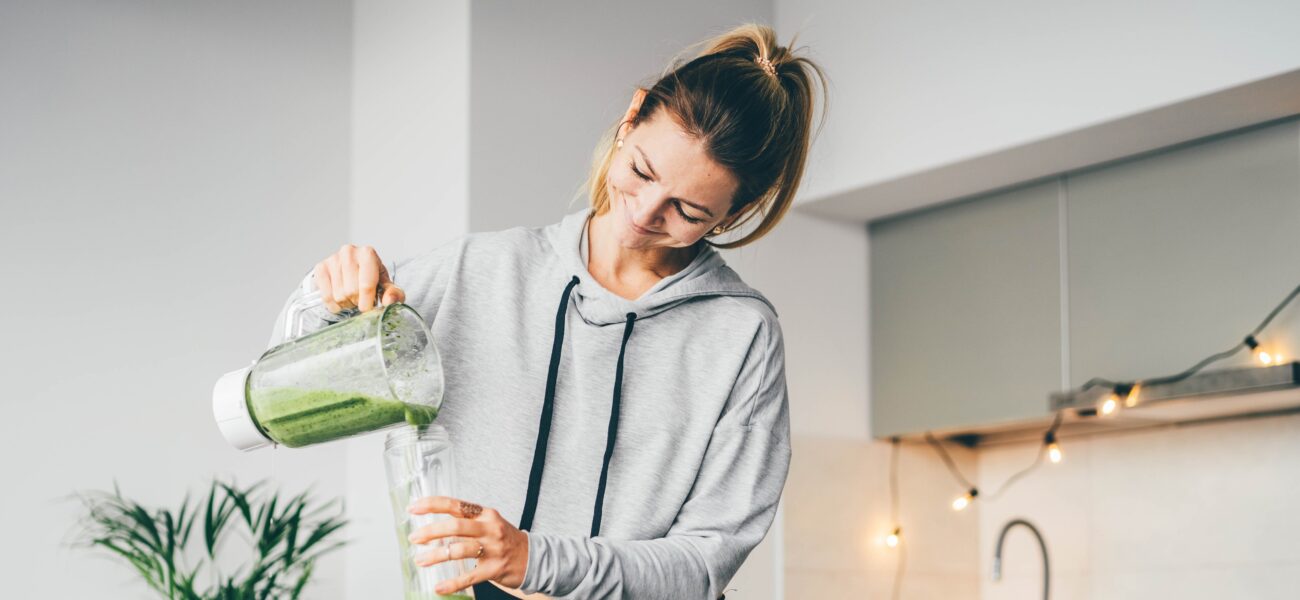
<point x="297" y="417"/>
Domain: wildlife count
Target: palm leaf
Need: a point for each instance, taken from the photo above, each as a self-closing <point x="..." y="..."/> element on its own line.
<point x="286" y="539"/>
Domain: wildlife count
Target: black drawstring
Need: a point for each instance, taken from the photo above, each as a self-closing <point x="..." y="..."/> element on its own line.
<point x="548" y="407"/>
<point x="613" y="427"/>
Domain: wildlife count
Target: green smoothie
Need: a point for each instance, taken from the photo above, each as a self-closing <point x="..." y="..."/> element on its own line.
<point x="297" y="417"/>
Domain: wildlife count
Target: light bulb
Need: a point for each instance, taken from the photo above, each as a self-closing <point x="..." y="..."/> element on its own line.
<point x="1054" y="452"/>
<point x="962" y="502"/>
<point x="891" y="540"/>
<point x="1108" y="406"/>
<point x="1264" y="357"/>
<point x="1132" y="399"/>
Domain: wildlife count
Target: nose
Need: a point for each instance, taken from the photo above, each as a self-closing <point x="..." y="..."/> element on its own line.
<point x="648" y="207"/>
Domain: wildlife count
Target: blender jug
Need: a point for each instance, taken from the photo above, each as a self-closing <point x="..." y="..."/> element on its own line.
<point x="418" y="463"/>
<point x="370" y="371"/>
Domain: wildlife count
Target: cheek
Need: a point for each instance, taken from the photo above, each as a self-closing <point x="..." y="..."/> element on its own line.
<point x="624" y="181"/>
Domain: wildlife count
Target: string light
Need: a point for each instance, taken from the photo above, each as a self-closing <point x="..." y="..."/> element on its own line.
<point x="1131" y="399"/>
<point x="1053" y="448"/>
<point x="1265" y="357"/>
<point x="1109" y="405"/>
<point x="963" y="501"/>
<point x="1128" y="393"/>
<point x="894" y="536"/>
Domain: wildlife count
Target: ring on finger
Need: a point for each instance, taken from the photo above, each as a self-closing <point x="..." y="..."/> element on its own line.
<point x="480" y="552"/>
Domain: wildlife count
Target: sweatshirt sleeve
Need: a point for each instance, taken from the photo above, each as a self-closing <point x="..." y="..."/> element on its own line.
<point x="422" y="277"/>
<point x="727" y="513"/>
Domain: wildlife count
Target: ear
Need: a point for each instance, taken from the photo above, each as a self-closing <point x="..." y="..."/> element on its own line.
<point x="632" y="110"/>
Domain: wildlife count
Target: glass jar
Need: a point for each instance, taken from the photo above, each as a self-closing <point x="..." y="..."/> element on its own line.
<point x="419" y="464"/>
<point x="368" y="372"/>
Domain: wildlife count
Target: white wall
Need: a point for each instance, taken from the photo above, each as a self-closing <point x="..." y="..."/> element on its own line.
<point x="924" y="84"/>
<point x="169" y="169"/>
<point x="410" y="136"/>
<point x="548" y="78"/>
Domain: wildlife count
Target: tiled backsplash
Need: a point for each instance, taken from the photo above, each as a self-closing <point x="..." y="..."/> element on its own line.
<point x="837" y="513"/>
<point x="1195" y="512"/>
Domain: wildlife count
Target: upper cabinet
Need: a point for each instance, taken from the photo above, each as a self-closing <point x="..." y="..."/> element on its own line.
<point x="1178" y="255"/>
<point x="966" y="313"/>
<point x="982" y="308"/>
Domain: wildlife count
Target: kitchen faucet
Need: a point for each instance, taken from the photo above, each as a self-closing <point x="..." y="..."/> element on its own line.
<point x="997" y="554"/>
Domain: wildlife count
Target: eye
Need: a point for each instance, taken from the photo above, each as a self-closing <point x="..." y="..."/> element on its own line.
<point x="689" y="219"/>
<point x="638" y="172"/>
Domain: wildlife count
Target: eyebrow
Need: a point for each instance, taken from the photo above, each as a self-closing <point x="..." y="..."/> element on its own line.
<point x="682" y="200"/>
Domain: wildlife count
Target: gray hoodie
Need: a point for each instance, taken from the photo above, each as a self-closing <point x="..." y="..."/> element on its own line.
<point x="643" y="444"/>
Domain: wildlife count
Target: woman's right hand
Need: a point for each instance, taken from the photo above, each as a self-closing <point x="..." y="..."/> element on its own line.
<point x="354" y="277"/>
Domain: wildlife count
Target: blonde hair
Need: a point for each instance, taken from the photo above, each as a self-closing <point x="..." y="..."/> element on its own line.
<point x="751" y="102"/>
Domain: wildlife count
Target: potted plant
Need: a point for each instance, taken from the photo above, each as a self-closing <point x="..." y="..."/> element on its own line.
<point x="176" y="552"/>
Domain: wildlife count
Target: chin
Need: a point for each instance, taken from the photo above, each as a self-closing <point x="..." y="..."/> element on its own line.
<point x="632" y="240"/>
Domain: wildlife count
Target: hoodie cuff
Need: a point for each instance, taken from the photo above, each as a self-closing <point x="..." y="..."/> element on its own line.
<point x="531" y="585"/>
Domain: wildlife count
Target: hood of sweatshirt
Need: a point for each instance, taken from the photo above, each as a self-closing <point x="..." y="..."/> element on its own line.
<point x="706" y="275"/>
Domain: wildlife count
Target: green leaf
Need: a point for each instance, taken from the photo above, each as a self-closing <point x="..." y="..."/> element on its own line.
<point x="155" y="541"/>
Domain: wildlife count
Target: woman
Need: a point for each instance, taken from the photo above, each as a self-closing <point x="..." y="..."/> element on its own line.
<point x="632" y="442"/>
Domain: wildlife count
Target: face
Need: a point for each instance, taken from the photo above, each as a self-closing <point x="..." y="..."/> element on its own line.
<point x="664" y="190"/>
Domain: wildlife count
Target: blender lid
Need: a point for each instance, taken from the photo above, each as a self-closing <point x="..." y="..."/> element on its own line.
<point x="230" y="408"/>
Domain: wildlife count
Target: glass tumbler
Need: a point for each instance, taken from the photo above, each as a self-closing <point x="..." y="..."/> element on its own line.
<point x="419" y="464"/>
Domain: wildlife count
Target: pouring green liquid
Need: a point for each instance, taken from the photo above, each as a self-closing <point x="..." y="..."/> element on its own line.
<point x="296" y="417"/>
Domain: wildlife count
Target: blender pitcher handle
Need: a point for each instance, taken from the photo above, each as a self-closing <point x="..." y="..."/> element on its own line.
<point x="294" y="317"/>
<point x="310" y="298"/>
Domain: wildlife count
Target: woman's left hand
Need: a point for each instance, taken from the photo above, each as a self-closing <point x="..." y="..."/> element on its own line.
<point x="500" y="548"/>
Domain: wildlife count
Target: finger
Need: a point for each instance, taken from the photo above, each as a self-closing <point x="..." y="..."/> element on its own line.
<point x="323" y="285"/>
<point x="337" y="292"/>
<point x="453" y="551"/>
<point x="445" y="505"/>
<point x="391" y="294"/>
<point x="348" y="266"/>
<point x="447" y="528"/>
<point x="455" y="584"/>
<point x="367" y="278"/>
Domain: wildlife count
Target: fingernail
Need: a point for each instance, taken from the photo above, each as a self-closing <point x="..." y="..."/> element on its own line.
<point x="412" y="538"/>
<point x="442" y="588"/>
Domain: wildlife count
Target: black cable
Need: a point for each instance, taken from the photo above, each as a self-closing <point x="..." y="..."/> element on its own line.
<point x="893" y="515"/>
<point x="1010" y="480"/>
<point x="893" y="483"/>
<point x="900" y="569"/>
<point x="1048" y="439"/>
<point x="1248" y="342"/>
<point x="1269" y="318"/>
<point x="947" y="460"/>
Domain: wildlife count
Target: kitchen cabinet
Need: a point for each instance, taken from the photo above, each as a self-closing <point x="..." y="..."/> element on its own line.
<point x="982" y="308"/>
<point x="966" y="313"/>
<point x="1177" y="255"/>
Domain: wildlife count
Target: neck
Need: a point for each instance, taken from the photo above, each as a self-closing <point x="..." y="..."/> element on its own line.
<point x="607" y="259"/>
